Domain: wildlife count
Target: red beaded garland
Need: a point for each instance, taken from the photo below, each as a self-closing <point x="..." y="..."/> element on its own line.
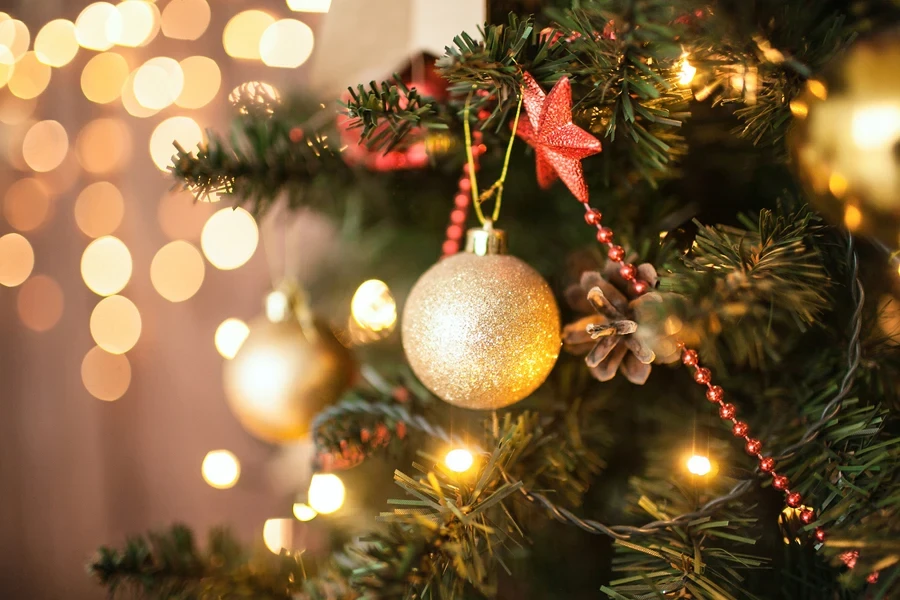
<point x="807" y="516"/>
<point x="461" y="201"/>
<point x="465" y="185"/>
<point x="702" y="375"/>
<point x="715" y="394"/>
<point x="767" y="464"/>
<point x="616" y="253"/>
<point x="639" y="286"/>
<point x="628" y="272"/>
<point x="592" y="217"/>
<point x="820" y="536"/>
<point x="740" y="429"/>
<point x="780" y="482"/>
<point x="604" y="235"/>
<point x="753" y="446"/>
<point x="794" y="499"/>
<point x="458" y="217"/>
<point x="450" y="247"/>
<point x="727" y="411"/>
<point x="689" y="357"/>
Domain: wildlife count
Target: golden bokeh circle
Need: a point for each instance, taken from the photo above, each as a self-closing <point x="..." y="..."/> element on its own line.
<point x="229" y="238"/>
<point x="99" y="209"/>
<point x="103" y="146"/>
<point x="183" y="130"/>
<point x="177" y="271"/>
<point x="202" y="80"/>
<point x="130" y="101"/>
<point x="105" y="376"/>
<point x="158" y="82"/>
<point x="26" y="204"/>
<point x="40" y="303"/>
<point x="103" y="77"/>
<point x="242" y="33"/>
<point x="45" y="146"/>
<point x="97" y="26"/>
<point x="116" y="324"/>
<point x="15" y="37"/>
<point x="55" y="44"/>
<point x="230" y="335"/>
<point x="140" y="23"/>
<point x="185" y="19"/>
<point x="30" y="77"/>
<point x="286" y="43"/>
<point x="13" y="110"/>
<point x="16" y="259"/>
<point x="106" y="265"/>
<point x="220" y="469"/>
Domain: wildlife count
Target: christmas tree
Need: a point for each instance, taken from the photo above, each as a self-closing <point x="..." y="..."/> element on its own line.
<point x="661" y="365"/>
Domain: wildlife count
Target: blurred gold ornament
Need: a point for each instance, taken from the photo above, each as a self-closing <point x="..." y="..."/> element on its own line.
<point x="481" y="329"/>
<point x="284" y="373"/>
<point x="845" y="138"/>
<point x="255" y="98"/>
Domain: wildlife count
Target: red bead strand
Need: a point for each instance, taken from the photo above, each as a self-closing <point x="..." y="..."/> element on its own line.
<point x="462" y="201"/>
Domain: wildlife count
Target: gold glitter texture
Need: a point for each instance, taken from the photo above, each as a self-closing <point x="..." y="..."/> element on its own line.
<point x="481" y="332"/>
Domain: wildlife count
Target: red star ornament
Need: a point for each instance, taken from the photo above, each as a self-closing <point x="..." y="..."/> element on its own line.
<point x="559" y="144"/>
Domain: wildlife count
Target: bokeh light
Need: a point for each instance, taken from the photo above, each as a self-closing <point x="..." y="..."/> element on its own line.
<point x="183" y="130"/>
<point x="230" y="336"/>
<point x="55" y="44"/>
<point x="7" y="67"/>
<point x="26" y="204"/>
<point x="105" y="376"/>
<point x="98" y="26"/>
<point x="61" y="179"/>
<point x="116" y="324"/>
<point x="278" y="534"/>
<point x="220" y="469"/>
<point x="103" y="146"/>
<point x="14" y="142"/>
<point x="311" y="6"/>
<point x="40" y="303"/>
<point x="139" y="23"/>
<point x="373" y="307"/>
<point x="14" y="111"/>
<point x="181" y="217"/>
<point x="30" y="77"/>
<point x="16" y="259"/>
<point x="45" y="146"/>
<point x="99" y="209"/>
<point x="698" y="465"/>
<point x="326" y="493"/>
<point x="304" y="512"/>
<point x="158" y="82"/>
<point x="15" y="38"/>
<point x="242" y="33"/>
<point x="185" y="19"/>
<point x="103" y="77"/>
<point x="177" y="270"/>
<point x="229" y="238"/>
<point x="106" y="265"/>
<point x="130" y="101"/>
<point x="459" y="460"/>
<point x="202" y="80"/>
<point x="287" y="43"/>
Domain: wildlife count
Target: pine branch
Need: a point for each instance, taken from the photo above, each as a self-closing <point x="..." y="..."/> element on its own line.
<point x="745" y="290"/>
<point x="168" y="565"/>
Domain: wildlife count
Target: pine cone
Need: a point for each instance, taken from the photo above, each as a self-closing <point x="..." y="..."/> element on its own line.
<point x="622" y="335"/>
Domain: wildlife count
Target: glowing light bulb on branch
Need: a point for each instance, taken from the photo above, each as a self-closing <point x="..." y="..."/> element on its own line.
<point x="459" y="460"/>
<point x="221" y="469"/>
<point x="686" y="71"/>
<point x="373" y="307"/>
<point x="304" y="512"/>
<point x="326" y="493"/>
<point x="699" y="465"/>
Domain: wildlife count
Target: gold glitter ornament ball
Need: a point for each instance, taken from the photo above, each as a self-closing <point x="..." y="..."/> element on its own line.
<point x="845" y="137"/>
<point x="279" y="379"/>
<point x="481" y="331"/>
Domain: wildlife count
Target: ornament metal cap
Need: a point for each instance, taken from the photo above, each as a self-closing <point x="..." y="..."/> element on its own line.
<point x="483" y="241"/>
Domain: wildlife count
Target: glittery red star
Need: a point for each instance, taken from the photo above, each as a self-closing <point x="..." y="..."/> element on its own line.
<point x="559" y="144"/>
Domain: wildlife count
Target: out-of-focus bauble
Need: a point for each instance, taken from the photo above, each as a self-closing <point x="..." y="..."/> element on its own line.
<point x="279" y="379"/>
<point x="481" y="329"/>
<point x="845" y="138"/>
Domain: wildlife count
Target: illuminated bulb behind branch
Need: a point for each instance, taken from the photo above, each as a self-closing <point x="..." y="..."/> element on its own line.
<point x="326" y="493"/>
<point x="686" y="72"/>
<point x="304" y="512"/>
<point x="459" y="460"/>
<point x="699" y="465"/>
<point x="373" y="307"/>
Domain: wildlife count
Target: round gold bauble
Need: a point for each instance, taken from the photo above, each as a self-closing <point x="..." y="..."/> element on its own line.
<point x="279" y="380"/>
<point x="845" y="138"/>
<point x="481" y="332"/>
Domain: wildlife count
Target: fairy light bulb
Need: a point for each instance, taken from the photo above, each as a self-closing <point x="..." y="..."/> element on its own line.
<point x="699" y="465"/>
<point x="373" y="307"/>
<point x="459" y="460"/>
<point x="686" y="71"/>
<point x="277" y="306"/>
<point x="221" y="469"/>
<point x="326" y="493"/>
<point x="304" y="512"/>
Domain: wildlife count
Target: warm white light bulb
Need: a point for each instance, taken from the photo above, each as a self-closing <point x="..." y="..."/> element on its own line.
<point x="326" y="493"/>
<point x="699" y="465"/>
<point x="277" y="306"/>
<point x="373" y="307"/>
<point x="221" y="469"/>
<point x="687" y="71"/>
<point x="304" y="512"/>
<point x="459" y="460"/>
